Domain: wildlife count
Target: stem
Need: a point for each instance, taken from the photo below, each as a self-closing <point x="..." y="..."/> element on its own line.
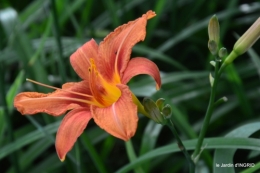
<point x="233" y="55"/>
<point x="140" y="107"/>
<point x="220" y="101"/>
<point x="181" y="146"/>
<point x="196" y="154"/>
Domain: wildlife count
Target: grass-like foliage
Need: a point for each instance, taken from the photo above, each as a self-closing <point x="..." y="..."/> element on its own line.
<point x="36" y="41"/>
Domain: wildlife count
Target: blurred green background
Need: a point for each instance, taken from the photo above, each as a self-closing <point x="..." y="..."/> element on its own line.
<point x="37" y="38"/>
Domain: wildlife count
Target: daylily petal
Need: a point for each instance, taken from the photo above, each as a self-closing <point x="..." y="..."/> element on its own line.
<point x="140" y="65"/>
<point x="114" y="51"/>
<point x="71" y="127"/>
<point x="80" y="60"/>
<point x="120" y="119"/>
<point x="68" y="85"/>
<point x="55" y="103"/>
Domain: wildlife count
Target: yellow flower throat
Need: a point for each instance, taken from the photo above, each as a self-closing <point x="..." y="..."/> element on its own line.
<point x="105" y="93"/>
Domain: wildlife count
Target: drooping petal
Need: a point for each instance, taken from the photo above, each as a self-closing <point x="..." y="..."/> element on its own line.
<point x="55" y="103"/>
<point x="140" y="65"/>
<point x="71" y="127"/>
<point x="80" y="60"/>
<point x="119" y="119"/>
<point x="114" y="51"/>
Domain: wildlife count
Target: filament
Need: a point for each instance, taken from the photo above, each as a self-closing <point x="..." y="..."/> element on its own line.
<point x="52" y="87"/>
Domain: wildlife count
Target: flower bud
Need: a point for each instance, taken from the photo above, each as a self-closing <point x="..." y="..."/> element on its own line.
<point x="167" y="111"/>
<point x="244" y="42"/>
<point x="213" y="47"/>
<point x="213" y="31"/>
<point x="248" y="38"/>
<point x="222" y="52"/>
<point x="160" y="103"/>
<point x="153" y="111"/>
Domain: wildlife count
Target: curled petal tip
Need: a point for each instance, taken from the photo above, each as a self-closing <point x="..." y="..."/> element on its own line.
<point x="150" y="14"/>
<point x="158" y="87"/>
<point x="62" y="159"/>
<point x="141" y="65"/>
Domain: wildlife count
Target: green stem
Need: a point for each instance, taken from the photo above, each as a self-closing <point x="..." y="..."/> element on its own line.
<point x="140" y="107"/>
<point x="196" y="154"/>
<point x="233" y="55"/>
<point x="181" y="146"/>
<point x="220" y="101"/>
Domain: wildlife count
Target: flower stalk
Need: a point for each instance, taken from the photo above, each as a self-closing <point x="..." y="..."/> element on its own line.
<point x="181" y="146"/>
<point x="213" y="31"/>
<point x="241" y="46"/>
<point x="162" y="114"/>
<point x="211" y="106"/>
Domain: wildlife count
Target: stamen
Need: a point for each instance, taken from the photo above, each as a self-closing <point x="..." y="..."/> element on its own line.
<point x="74" y="99"/>
<point x="93" y="75"/>
<point x="41" y="84"/>
<point x="52" y="87"/>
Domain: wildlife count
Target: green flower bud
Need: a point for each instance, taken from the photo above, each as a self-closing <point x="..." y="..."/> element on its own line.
<point x="222" y="52"/>
<point x="213" y="47"/>
<point x="167" y="111"/>
<point x="160" y="103"/>
<point x="153" y="111"/>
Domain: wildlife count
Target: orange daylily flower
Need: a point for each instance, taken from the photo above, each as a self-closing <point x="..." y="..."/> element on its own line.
<point x="103" y="95"/>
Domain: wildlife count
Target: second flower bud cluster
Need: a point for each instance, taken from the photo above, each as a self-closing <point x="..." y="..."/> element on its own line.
<point x="158" y="111"/>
